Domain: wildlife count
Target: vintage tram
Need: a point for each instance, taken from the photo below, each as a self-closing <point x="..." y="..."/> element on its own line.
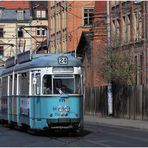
<point x="42" y="91"/>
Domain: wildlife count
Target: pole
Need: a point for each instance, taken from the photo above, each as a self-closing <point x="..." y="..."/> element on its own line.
<point x="145" y="40"/>
<point x="109" y="87"/>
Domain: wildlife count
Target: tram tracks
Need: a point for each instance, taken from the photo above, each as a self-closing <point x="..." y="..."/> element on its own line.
<point x="66" y="138"/>
<point x="61" y="137"/>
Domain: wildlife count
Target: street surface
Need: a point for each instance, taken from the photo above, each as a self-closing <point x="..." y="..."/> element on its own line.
<point x="94" y="134"/>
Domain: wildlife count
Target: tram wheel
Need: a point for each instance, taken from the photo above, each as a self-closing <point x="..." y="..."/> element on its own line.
<point x="31" y="131"/>
<point x="11" y="126"/>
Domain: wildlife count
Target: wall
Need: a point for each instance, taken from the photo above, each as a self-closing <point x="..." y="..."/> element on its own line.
<point x="128" y="32"/>
<point x="66" y="24"/>
<point x="99" y="52"/>
<point x="75" y="23"/>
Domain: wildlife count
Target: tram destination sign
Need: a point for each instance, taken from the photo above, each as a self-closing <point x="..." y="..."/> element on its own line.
<point x="10" y="62"/>
<point x="24" y="57"/>
<point x="63" y="60"/>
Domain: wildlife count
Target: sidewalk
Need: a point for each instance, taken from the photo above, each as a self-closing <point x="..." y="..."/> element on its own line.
<point x="117" y="121"/>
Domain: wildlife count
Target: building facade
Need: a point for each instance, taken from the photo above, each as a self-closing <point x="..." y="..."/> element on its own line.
<point x="129" y="34"/>
<point x="13" y="39"/>
<point x="92" y="47"/>
<point x="100" y="46"/>
<point x="67" y="20"/>
<point x="39" y="23"/>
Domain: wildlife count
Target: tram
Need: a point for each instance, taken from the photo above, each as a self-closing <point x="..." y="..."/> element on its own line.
<point x="42" y="91"/>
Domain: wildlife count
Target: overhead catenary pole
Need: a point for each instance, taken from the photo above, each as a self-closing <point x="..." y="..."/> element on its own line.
<point x="145" y="40"/>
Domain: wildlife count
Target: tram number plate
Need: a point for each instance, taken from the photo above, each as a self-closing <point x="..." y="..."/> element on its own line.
<point x="63" y="60"/>
<point x="64" y="100"/>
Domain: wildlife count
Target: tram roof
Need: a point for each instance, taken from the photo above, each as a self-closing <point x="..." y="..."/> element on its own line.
<point x="44" y="60"/>
<point x="1" y="70"/>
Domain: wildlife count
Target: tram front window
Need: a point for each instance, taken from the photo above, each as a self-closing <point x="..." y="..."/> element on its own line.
<point x="61" y="84"/>
<point x="65" y="86"/>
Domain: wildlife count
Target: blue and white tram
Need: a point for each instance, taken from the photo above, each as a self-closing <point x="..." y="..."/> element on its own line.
<point x="42" y="91"/>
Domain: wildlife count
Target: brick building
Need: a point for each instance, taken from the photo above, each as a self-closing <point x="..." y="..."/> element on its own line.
<point x="99" y="42"/>
<point x="92" y="45"/>
<point x="129" y="33"/>
<point x="67" y="20"/>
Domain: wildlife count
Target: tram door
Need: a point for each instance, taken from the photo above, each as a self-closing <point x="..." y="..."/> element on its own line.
<point x="12" y="102"/>
<point x="36" y="91"/>
<point x="36" y="83"/>
<point x="4" y="98"/>
<point x="23" y="97"/>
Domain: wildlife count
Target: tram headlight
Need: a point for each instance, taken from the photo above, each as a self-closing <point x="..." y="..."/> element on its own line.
<point x="67" y="108"/>
<point x="60" y="108"/>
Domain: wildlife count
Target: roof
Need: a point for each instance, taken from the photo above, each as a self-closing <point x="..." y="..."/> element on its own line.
<point x="15" y="4"/>
<point x="84" y="43"/>
<point x="11" y="16"/>
<point x="1" y="69"/>
<point x="44" y="60"/>
<point x="42" y="46"/>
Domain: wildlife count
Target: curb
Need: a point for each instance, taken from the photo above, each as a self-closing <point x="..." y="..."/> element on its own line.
<point x="117" y="122"/>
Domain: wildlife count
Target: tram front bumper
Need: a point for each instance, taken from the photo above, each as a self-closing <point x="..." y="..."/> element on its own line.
<point x="63" y="122"/>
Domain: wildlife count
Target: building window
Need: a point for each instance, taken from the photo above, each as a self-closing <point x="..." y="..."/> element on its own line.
<point x="88" y="16"/>
<point x="41" y="32"/>
<point x="1" y="51"/>
<point x="41" y="14"/>
<point x="20" y="15"/>
<point x="20" y="33"/>
<point x="1" y="11"/>
<point x="1" y="33"/>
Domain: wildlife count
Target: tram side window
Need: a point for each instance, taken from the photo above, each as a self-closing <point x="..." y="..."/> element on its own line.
<point x="15" y="84"/>
<point x="47" y="83"/>
<point x="24" y="84"/>
<point x="10" y="85"/>
<point x="5" y="86"/>
<point x="36" y="83"/>
<point x="0" y="86"/>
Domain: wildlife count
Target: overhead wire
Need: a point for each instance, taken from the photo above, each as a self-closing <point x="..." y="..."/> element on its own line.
<point x="63" y="8"/>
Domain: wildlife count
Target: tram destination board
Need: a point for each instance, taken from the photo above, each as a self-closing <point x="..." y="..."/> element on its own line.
<point x="10" y="62"/>
<point x="24" y="57"/>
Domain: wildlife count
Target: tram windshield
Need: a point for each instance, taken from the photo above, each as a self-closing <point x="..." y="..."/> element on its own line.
<point x="61" y="84"/>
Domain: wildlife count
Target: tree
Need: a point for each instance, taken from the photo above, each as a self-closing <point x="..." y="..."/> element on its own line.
<point x="120" y="69"/>
<point x="116" y="65"/>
